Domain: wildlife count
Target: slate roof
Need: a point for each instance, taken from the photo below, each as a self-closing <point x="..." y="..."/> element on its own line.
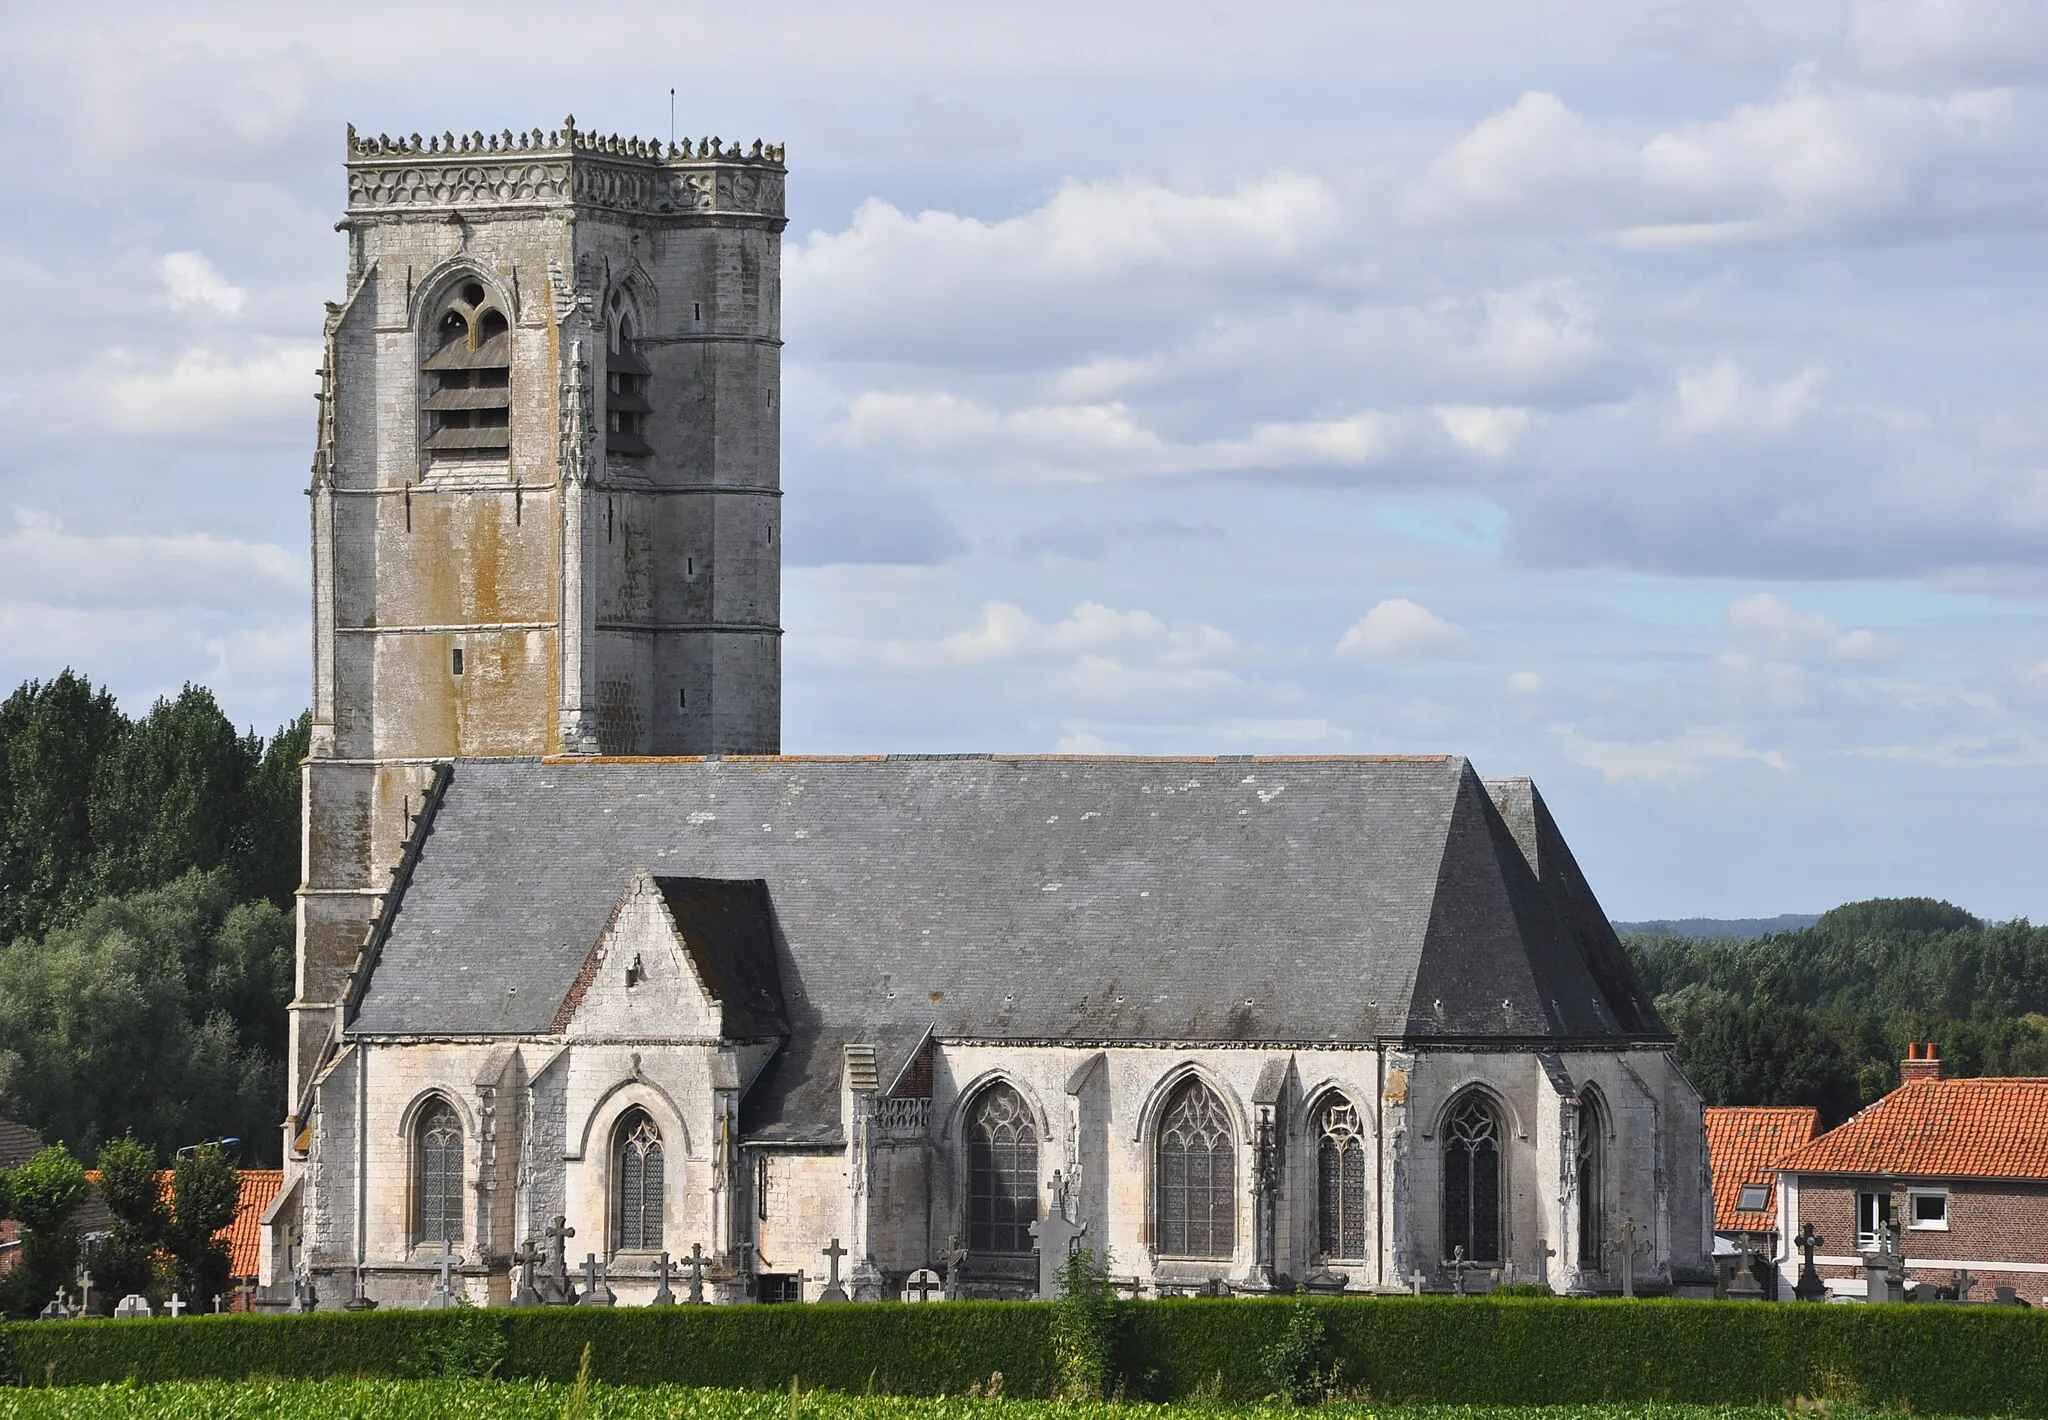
<point x="1995" y="1128"/>
<point x="1744" y="1144"/>
<point x="1265" y="900"/>
<point x="18" y="1144"/>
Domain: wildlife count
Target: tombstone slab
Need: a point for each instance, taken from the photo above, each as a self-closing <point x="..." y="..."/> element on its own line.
<point x="924" y="1285"/>
<point x="133" y="1305"/>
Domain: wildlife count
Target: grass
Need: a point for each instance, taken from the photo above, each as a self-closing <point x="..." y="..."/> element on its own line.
<point x="539" y="1400"/>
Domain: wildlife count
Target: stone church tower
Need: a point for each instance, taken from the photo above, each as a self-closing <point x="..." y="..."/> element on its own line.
<point x="545" y="496"/>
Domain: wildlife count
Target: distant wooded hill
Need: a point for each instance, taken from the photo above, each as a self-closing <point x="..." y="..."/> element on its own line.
<point x="1741" y="928"/>
<point x="1821" y="1015"/>
<point x="147" y="873"/>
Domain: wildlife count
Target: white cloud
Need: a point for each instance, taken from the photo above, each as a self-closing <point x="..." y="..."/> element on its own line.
<point x="1525" y="683"/>
<point x="1683" y="757"/>
<point x="207" y="391"/>
<point x="1786" y="633"/>
<point x="1724" y="400"/>
<point x="190" y="281"/>
<point x="41" y="562"/>
<point x="1537" y="157"/>
<point x="1398" y="629"/>
<point x="1493" y="432"/>
<point x="1008" y="632"/>
<point x="1948" y="39"/>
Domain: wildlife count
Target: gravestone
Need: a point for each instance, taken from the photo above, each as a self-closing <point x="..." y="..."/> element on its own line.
<point x="1058" y="1238"/>
<point x="662" y="1297"/>
<point x="696" y="1265"/>
<point x="924" y="1285"/>
<point x="176" y="1306"/>
<point x="528" y="1256"/>
<point x="1810" y="1288"/>
<point x="1324" y="1282"/>
<point x="556" y="1290"/>
<point x="833" y="1291"/>
<point x="1743" y="1286"/>
<point x="57" y="1308"/>
<point x="133" y="1305"/>
<point x="443" y="1295"/>
<point x="595" y="1292"/>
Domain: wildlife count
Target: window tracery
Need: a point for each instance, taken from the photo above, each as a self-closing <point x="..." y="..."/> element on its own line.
<point x="438" y="1181"/>
<point x="639" y="1169"/>
<point x="1472" y="1182"/>
<point x="1002" y="1172"/>
<point x="1340" y="1180"/>
<point x="1196" y="1203"/>
<point x="469" y="401"/>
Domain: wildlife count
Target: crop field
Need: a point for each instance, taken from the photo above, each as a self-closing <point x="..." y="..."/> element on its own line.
<point x="535" y="1400"/>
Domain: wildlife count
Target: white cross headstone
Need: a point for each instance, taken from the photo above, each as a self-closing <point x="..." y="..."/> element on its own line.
<point x="443" y="1295"/>
<point x="177" y="1305"/>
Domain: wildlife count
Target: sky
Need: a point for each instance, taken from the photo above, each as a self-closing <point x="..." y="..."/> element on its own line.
<point x="1646" y="397"/>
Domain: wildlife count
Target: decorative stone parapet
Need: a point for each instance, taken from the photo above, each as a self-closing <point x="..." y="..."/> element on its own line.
<point x="566" y="167"/>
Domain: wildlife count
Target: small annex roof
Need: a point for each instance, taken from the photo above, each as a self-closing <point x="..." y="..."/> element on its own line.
<point x="1254" y="901"/>
<point x="18" y="1144"/>
<point x="244" y="1236"/>
<point x="1985" y="1128"/>
<point x="1744" y="1144"/>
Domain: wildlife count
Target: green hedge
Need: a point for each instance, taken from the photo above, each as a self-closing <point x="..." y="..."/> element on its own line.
<point x="1929" y="1359"/>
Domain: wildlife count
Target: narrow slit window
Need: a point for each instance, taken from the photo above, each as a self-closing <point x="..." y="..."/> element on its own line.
<point x="455" y="661"/>
<point x="682" y="699"/>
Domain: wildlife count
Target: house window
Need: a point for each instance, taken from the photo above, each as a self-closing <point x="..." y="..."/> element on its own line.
<point x="1340" y="1180"/>
<point x="469" y="396"/>
<point x="1002" y="1172"/>
<point x="1928" y="1209"/>
<point x="1873" y="1220"/>
<point x="1592" y="1181"/>
<point x="625" y="395"/>
<point x="438" y="1175"/>
<point x="639" y="1172"/>
<point x="1197" y="1176"/>
<point x="1472" y="1180"/>
<point x="1754" y="1198"/>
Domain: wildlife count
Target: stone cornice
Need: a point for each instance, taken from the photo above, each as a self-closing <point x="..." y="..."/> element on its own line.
<point x="564" y="168"/>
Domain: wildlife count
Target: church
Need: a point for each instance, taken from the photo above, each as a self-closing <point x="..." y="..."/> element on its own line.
<point x="602" y="998"/>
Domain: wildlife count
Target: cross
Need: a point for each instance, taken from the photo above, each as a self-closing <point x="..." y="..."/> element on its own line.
<point x="833" y="1291"/>
<point x="590" y="1271"/>
<point x="85" y="1294"/>
<point x="922" y="1281"/>
<point x="177" y="1305"/>
<point x="1626" y="1245"/>
<point x="447" y="1263"/>
<point x="696" y="1265"/>
<point x="1460" y="1265"/>
<point x="1963" y="1282"/>
<point x="1544" y="1252"/>
<point x="558" y="1233"/>
<point x="526" y="1256"/>
<point x="663" y="1297"/>
<point x="218" y="1298"/>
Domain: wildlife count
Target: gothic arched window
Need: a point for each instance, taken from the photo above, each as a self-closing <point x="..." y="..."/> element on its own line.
<point x="639" y="1171"/>
<point x="1340" y="1180"/>
<point x="1002" y="1172"/>
<point x="469" y="399"/>
<point x="625" y="397"/>
<point x="1197" y="1176"/>
<point x="1472" y="1180"/>
<point x="1592" y="1182"/>
<point x="438" y="1179"/>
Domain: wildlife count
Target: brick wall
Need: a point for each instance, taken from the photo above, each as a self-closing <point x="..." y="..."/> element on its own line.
<point x="1989" y="1222"/>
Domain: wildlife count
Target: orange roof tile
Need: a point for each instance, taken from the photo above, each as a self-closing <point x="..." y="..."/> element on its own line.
<point x="1940" y="1129"/>
<point x="1744" y="1142"/>
<point x="244" y="1236"/>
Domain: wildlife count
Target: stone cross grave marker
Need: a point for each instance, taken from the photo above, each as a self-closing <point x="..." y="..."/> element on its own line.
<point x="133" y="1305"/>
<point x="556" y="1288"/>
<point x="527" y="1256"/>
<point x="443" y="1295"/>
<point x="595" y="1292"/>
<point x="663" y="1297"/>
<point x="696" y="1266"/>
<point x="1962" y="1281"/>
<point x="954" y="1256"/>
<point x="1810" y="1288"/>
<point x="176" y="1306"/>
<point x="833" y="1291"/>
<point x="1058" y="1236"/>
<point x="85" y="1294"/>
<point x="924" y="1285"/>
<point x="56" y="1309"/>
<point x="1460" y="1265"/>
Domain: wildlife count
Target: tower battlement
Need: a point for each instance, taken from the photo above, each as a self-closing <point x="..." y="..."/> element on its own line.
<point x="564" y="167"/>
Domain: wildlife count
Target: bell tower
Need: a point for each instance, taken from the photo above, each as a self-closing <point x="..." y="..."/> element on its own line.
<point x="546" y="487"/>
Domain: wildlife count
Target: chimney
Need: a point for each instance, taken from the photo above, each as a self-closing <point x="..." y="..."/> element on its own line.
<point x="1922" y="1062"/>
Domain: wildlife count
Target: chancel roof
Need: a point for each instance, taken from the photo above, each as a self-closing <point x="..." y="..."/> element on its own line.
<point x="1282" y="901"/>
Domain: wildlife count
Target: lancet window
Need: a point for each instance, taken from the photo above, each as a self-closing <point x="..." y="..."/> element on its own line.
<point x="1196" y="1176"/>
<point x="1002" y="1172"/>
<point x="1340" y="1180"/>
<point x="626" y="375"/>
<point x="1592" y="1182"/>
<point x="437" y="1192"/>
<point x="1472" y="1180"/>
<point x="469" y="375"/>
<point x="638" y="1167"/>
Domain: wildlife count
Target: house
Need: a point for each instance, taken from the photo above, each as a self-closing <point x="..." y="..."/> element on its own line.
<point x="1955" y="1171"/>
<point x="1744" y="1144"/>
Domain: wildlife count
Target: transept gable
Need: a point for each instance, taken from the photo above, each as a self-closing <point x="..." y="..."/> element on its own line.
<point x="639" y="981"/>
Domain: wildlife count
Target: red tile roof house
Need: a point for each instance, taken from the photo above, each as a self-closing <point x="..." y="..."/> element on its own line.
<point x="1961" y="1166"/>
<point x="1744" y="1144"/>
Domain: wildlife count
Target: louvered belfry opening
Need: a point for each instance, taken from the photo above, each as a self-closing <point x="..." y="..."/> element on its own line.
<point x="469" y="401"/>
<point x="626" y="375"/>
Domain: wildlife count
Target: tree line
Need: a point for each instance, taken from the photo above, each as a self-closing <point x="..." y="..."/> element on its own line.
<point x="147" y="873"/>
<point x="1823" y="1016"/>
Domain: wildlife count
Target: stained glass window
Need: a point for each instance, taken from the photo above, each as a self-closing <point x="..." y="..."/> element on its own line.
<point x="1592" y="1183"/>
<point x="1340" y="1180"/>
<point x="1472" y="1180"/>
<point x="1197" y="1176"/>
<point x="640" y="1183"/>
<point x="440" y="1174"/>
<point x="1002" y="1173"/>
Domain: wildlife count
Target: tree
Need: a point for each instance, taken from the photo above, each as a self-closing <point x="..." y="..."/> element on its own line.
<point x="52" y="737"/>
<point x="205" y="1192"/>
<point x="1768" y="1052"/>
<point x="43" y="1195"/>
<point x="125" y="1260"/>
